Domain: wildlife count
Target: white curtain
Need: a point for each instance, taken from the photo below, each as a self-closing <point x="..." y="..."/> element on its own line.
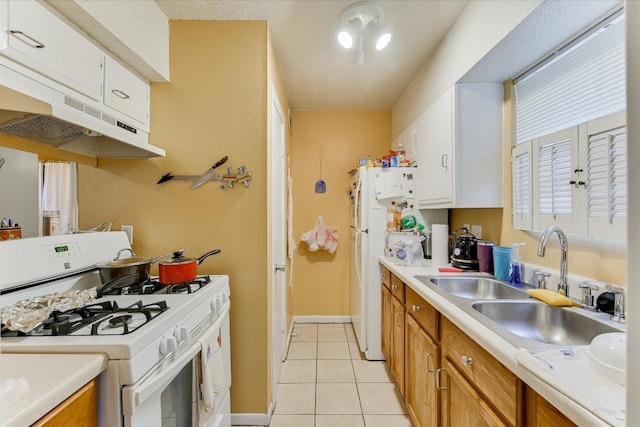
<point x="59" y="193"/>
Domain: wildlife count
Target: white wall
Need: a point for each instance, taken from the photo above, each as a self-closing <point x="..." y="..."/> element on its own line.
<point x="480" y="27"/>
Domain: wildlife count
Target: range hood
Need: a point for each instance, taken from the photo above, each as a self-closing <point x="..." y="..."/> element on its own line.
<point x="33" y="110"/>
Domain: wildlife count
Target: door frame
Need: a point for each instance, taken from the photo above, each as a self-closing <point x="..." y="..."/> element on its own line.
<point x="277" y="199"/>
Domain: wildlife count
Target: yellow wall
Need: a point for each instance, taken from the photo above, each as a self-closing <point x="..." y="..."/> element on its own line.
<point x="489" y="218"/>
<point x="215" y="105"/>
<point x="321" y="280"/>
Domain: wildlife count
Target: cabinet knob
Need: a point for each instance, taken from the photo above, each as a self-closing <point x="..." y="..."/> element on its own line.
<point x="467" y="361"/>
<point x="415" y="307"/>
<point x="394" y="287"/>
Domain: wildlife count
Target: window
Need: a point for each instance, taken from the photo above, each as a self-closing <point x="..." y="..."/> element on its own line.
<point x="581" y="82"/>
<point x="569" y="160"/>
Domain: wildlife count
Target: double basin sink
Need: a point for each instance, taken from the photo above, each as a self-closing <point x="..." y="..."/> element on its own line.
<point x="512" y="314"/>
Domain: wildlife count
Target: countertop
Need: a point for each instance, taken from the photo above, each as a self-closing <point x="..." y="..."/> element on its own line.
<point x="52" y="378"/>
<point x="587" y="398"/>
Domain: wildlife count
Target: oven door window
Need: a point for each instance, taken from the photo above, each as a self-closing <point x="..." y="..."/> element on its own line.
<point x="177" y="399"/>
<point x="166" y="397"/>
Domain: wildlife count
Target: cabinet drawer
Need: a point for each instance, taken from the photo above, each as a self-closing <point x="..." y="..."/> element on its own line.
<point x="126" y="92"/>
<point x="422" y="312"/>
<point x="385" y="276"/>
<point x="45" y="43"/>
<point x="397" y="288"/>
<point x="79" y="410"/>
<point x="489" y="376"/>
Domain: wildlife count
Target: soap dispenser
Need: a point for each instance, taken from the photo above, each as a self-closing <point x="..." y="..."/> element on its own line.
<point x="515" y="267"/>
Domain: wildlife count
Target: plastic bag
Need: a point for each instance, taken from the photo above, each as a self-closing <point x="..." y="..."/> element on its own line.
<point x="321" y="236"/>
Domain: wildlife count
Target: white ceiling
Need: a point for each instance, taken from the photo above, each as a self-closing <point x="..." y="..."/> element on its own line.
<point x="316" y="70"/>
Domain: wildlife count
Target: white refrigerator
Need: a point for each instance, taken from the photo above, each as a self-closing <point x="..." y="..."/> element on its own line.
<point x="370" y="188"/>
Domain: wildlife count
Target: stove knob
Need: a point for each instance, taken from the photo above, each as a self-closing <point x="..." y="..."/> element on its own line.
<point x="181" y="334"/>
<point x="215" y="303"/>
<point x="168" y="345"/>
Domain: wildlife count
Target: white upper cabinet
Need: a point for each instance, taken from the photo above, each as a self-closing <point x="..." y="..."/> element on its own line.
<point x="459" y="145"/>
<point x="38" y="39"/>
<point x="126" y="92"/>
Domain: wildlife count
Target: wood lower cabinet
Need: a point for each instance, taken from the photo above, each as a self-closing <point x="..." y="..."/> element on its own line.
<point x="386" y="323"/>
<point x="397" y="343"/>
<point x="446" y="377"/>
<point x="79" y="410"/>
<point x="421" y="362"/>
<point x="541" y="413"/>
<point x="497" y="385"/>
<point x="462" y="406"/>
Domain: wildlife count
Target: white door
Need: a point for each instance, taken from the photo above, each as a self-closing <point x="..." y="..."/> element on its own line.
<point x="278" y="241"/>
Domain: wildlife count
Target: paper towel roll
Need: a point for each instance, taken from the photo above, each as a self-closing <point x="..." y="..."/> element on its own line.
<point x="439" y="244"/>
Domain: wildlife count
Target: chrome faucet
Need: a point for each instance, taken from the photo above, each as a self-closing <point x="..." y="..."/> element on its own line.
<point x="619" y="314"/>
<point x="563" y="286"/>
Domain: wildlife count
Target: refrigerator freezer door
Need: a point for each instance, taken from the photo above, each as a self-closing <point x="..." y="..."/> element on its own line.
<point x="393" y="183"/>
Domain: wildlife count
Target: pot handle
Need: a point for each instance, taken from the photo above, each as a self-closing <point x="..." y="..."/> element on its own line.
<point x="208" y="254"/>
<point x="107" y="286"/>
<point x="122" y="251"/>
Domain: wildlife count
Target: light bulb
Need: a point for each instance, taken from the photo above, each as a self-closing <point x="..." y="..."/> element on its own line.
<point x="345" y="39"/>
<point x="383" y="41"/>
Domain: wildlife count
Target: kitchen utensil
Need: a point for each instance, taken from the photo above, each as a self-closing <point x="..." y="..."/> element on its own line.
<point x="207" y="175"/>
<point x="465" y="252"/>
<point x="321" y="186"/>
<point x="181" y="269"/>
<point x="119" y="267"/>
<point x="608" y="354"/>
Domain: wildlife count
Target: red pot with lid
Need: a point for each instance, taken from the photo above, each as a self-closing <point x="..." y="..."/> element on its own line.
<point x="180" y="269"/>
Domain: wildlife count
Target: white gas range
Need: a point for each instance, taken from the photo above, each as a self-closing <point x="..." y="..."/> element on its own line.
<point x="152" y="339"/>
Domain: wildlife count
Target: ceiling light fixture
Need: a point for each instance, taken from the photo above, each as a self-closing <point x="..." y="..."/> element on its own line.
<point x="359" y="21"/>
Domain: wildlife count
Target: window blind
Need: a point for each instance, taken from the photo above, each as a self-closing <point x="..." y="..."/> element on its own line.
<point x="583" y="82"/>
<point x="554" y="189"/>
<point x="607" y="175"/>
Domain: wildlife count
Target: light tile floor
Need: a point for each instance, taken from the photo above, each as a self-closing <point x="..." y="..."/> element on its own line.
<point x="326" y="382"/>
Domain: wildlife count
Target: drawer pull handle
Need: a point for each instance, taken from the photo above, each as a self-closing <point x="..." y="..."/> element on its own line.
<point x="415" y="307"/>
<point x="466" y="361"/>
<point x="438" y="385"/>
<point x="120" y="94"/>
<point x="36" y="44"/>
<point x="429" y="356"/>
<point x="397" y="316"/>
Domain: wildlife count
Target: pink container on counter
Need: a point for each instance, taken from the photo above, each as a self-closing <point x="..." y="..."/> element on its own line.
<point x="485" y="256"/>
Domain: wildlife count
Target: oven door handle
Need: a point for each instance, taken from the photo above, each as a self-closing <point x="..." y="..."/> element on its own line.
<point x="135" y="396"/>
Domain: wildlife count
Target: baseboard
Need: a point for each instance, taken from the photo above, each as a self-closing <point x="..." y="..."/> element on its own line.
<point x="252" y="419"/>
<point x="321" y="319"/>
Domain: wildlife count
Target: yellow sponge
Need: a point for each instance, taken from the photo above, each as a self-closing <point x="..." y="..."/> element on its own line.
<point x="550" y="297"/>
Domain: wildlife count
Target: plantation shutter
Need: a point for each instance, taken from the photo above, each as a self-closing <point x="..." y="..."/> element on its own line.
<point x="607" y="184"/>
<point x="522" y="197"/>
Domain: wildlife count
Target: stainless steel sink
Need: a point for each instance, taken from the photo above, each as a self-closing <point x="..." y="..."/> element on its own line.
<point x="475" y="287"/>
<point x="537" y="321"/>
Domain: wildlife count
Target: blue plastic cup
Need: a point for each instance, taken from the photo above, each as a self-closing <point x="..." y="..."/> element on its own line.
<point x="501" y="261"/>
